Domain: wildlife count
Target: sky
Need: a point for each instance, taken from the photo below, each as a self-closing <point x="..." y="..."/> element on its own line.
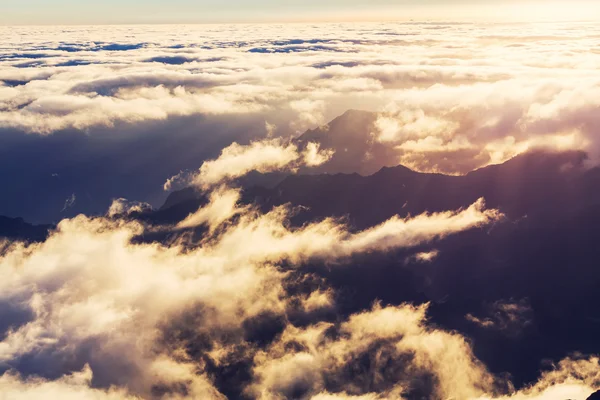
<point x="54" y="12"/>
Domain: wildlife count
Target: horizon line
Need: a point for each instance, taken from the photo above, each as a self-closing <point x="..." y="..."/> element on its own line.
<point x="410" y="21"/>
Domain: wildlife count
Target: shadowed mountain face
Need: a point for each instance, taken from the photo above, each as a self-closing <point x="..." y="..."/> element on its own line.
<point x="535" y="183"/>
<point x="524" y="290"/>
<point x="356" y="150"/>
<point x="363" y="144"/>
<point x="76" y="172"/>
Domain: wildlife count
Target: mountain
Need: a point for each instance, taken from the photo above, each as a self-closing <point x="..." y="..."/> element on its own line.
<point x="350" y="135"/>
<point x="530" y="184"/>
<point x="524" y="290"/>
<point x="542" y="260"/>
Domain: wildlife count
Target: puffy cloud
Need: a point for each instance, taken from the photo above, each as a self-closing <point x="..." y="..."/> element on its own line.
<point x="391" y="352"/>
<point x="434" y="128"/>
<point x="154" y="320"/>
<point x="124" y="206"/>
<point x="398" y="232"/>
<point x="237" y="160"/>
<point x="423" y="257"/>
<point x="75" y="386"/>
<point x="314" y="156"/>
<point x="93" y="297"/>
<point x="150" y="320"/>
<point x="262" y="156"/>
<point x="318" y="300"/>
<point x="572" y="378"/>
<point x="255" y="238"/>
<point x="221" y="207"/>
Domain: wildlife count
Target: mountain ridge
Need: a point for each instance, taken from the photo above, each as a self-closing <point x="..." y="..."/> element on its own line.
<point x="518" y="186"/>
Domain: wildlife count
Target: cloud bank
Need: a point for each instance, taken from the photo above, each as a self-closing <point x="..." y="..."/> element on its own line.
<point x="445" y="92"/>
<point x="102" y="316"/>
<point x="97" y="303"/>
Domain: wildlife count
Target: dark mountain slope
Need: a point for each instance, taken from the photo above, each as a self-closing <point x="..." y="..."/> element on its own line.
<point x="531" y="184"/>
<point x="524" y="290"/>
<point x="350" y="135"/>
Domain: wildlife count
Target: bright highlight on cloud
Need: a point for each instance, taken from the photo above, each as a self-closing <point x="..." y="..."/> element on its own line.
<point x="261" y="156"/>
<point x="266" y="156"/>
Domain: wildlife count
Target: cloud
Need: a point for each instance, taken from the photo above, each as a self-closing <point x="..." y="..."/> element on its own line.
<point x="391" y="352"/>
<point x="423" y="257"/>
<point x="314" y="157"/>
<point x="95" y="298"/>
<point x="262" y="156"/>
<point x="511" y="317"/>
<point x="69" y="202"/>
<point x="397" y="232"/>
<point x="126" y="207"/>
<point x="450" y="100"/>
<point x="575" y="378"/>
<point x="223" y="204"/>
<point x="142" y="319"/>
<point x="106" y="313"/>
<point x="74" y="386"/>
<point x="434" y="128"/>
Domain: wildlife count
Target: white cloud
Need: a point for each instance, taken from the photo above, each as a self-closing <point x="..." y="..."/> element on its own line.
<point x="510" y="317"/>
<point x="400" y="346"/>
<point x="442" y="92"/>
<point x="124" y="206"/>
<point x="222" y="206"/>
<point x="423" y="257"/>
<point x="263" y="156"/>
<point x="95" y="298"/>
<point x="314" y="156"/>
<point x="76" y="386"/>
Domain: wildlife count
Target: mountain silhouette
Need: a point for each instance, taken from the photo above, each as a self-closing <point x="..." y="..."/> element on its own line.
<point x="542" y="259"/>
<point x="544" y="254"/>
<point x="594" y="396"/>
<point x="530" y="184"/>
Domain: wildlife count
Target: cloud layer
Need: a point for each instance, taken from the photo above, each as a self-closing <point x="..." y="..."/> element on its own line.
<point x="228" y="304"/>
<point x="91" y="301"/>
<point x="99" y="315"/>
<point x="446" y="92"/>
<point x="448" y="98"/>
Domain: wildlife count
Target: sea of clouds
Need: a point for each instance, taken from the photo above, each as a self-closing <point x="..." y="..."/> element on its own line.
<point x="91" y="314"/>
<point x="142" y="103"/>
<point x="490" y="89"/>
